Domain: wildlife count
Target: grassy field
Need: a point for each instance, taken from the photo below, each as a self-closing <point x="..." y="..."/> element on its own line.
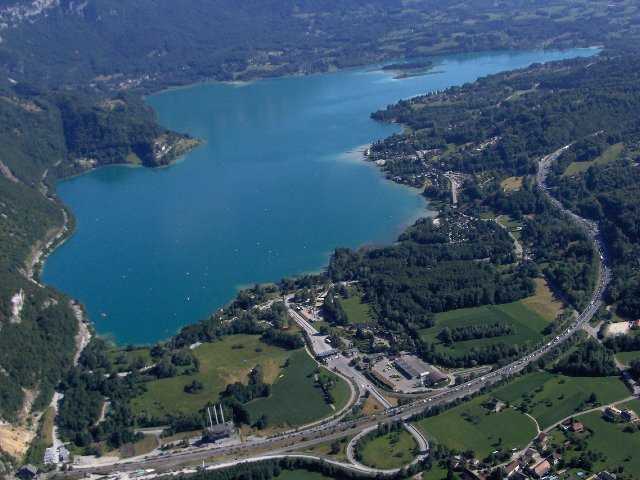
<point x="550" y="398"/>
<point x="528" y="318"/>
<point x="146" y="445"/>
<point x="436" y="473"/>
<point x="510" y="224"/>
<point x="471" y="426"/>
<point x="392" y="450"/>
<point x="544" y="302"/>
<point x="357" y="312"/>
<point x="223" y="362"/>
<point x="526" y="323"/>
<point x="619" y="448"/>
<point x="324" y="449"/>
<point x="294" y="399"/>
<point x="628" y="357"/>
<point x="511" y="184"/>
<point x="609" y="155"/>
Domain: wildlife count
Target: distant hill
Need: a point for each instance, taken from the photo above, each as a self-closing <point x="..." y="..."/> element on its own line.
<point x="124" y="44"/>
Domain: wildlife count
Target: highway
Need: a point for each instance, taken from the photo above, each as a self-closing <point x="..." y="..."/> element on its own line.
<point x="334" y="428"/>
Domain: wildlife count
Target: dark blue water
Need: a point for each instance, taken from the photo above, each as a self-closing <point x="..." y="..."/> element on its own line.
<point x="271" y="193"/>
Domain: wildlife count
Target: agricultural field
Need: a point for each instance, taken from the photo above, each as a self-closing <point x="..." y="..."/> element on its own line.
<point x="549" y="398"/>
<point x="295" y="399"/>
<point x="610" y="154"/>
<point x="528" y="318"/>
<point x="475" y="426"/>
<point x="357" y="311"/>
<point x="511" y="184"/>
<point x="615" y="446"/>
<point x="226" y="361"/>
<point x="393" y="450"/>
<point x="527" y="326"/>
<point x="545" y="303"/>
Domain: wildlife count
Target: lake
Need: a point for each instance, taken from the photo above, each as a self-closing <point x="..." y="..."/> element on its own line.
<point x="278" y="184"/>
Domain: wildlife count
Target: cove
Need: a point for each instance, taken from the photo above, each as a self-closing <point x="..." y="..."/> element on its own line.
<point x="277" y="185"/>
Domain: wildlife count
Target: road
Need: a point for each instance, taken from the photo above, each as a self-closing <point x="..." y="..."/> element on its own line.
<point x="335" y="429"/>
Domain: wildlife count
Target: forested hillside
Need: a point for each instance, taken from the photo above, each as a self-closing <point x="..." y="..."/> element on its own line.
<point x="46" y="136"/>
<point x="493" y="133"/>
<point x="123" y="44"/>
<point x="606" y="188"/>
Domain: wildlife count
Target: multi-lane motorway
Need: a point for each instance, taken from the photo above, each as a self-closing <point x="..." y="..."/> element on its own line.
<point x="254" y="449"/>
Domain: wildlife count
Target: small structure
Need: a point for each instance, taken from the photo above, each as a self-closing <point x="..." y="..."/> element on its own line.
<point x="327" y="353"/>
<point x="56" y="455"/>
<point x="27" y="472"/>
<point x="51" y="456"/>
<point x="576" y="427"/>
<point x="612" y="413"/>
<point x="512" y="468"/>
<point x="413" y="368"/>
<point x="543" y="439"/>
<point x="220" y="430"/>
<point x="629" y="416"/>
<point x="606" y="476"/>
<point x="541" y="468"/>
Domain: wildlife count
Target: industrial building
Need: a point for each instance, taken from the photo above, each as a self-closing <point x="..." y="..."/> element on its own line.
<point x="221" y="429"/>
<point x="413" y="368"/>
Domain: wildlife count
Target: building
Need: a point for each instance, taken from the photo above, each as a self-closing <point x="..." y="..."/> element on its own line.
<point x="606" y="476"/>
<point x="576" y="427"/>
<point x="541" y="468"/>
<point x="27" y="472"/>
<point x="612" y="413"/>
<point x="512" y="468"/>
<point x="56" y="455"/>
<point x="220" y="430"/>
<point x="629" y="416"/>
<point x="413" y="368"/>
<point x="327" y="353"/>
<point x="51" y="456"/>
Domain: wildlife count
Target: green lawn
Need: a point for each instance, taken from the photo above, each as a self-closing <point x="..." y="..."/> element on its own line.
<point x="609" y="155"/>
<point x="222" y="362"/>
<point x="628" y="357"/>
<point x="393" y="450"/>
<point x="619" y="448"/>
<point x="294" y="399"/>
<point x="357" y="312"/>
<point x="437" y="472"/>
<point x="471" y="426"/>
<point x="525" y="321"/>
<point x="550" y="398"/>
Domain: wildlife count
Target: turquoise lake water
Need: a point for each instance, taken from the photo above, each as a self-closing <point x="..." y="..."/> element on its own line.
<point x="276" y="187"/>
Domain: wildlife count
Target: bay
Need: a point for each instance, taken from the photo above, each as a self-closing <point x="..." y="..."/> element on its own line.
<point x="278" y="184"/>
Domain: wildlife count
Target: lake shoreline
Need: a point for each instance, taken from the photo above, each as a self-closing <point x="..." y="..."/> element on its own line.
<point x="422" y="212"/>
